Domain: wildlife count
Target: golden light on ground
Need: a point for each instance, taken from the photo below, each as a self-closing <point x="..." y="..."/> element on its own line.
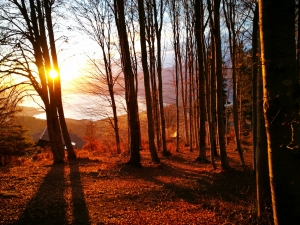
<point x="53" y="74"/>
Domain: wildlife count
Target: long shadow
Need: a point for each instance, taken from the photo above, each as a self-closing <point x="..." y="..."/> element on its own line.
<point x="234" y="185"/>
<point x="230" y="186"/>
<point x="80" y="211"/>
<point x="177" y="191"/>
<point x="48" y="204"/>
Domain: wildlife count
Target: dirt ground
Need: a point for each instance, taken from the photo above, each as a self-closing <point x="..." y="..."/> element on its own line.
<point x="104" y="190"/>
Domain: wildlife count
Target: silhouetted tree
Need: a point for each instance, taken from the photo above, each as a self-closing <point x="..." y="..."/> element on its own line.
<point x="28" y="30"/>
<point x="130" y="89"/>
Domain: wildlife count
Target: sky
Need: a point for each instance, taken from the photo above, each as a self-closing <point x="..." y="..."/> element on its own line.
<point x="72" y="56"/>
<point x="73" y="62"/>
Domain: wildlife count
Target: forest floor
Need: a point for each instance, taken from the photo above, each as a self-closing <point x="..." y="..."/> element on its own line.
<point x="104" y="190"/>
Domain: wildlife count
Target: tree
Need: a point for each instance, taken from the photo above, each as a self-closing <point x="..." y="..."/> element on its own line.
<point x="199" y="30"/>
<point x="211" y="90"/>
<point x="57" y="84"/>
<point x="13" y="140"/>
<point x="174" y="14"/>
<point x="152" y="148"/>
<point x="91" y="137"/>
<point x="219" y="81"/>
<point x="230" y="17"/>
<point x="28" y="30"/>
<point x="94" y="19"/>
<point x="158" y="22"/>
<point x="8" y="101"/>
<point x="255" y="40"/>
<point x="130" y="88"/>
<point x="281" y="106"/>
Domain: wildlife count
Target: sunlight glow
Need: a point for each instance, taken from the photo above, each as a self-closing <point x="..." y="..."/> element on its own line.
<point x="69" y="70"/>
<point x="53" y="74"/>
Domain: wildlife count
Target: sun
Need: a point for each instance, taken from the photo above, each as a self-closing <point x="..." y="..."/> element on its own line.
<point x="53" y="73"/>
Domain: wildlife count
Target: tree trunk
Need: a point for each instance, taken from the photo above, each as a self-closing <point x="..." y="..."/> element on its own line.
<point x="158" y="28"/>
<point x="212" y="88"/>
<point x="151" y="46"/>
<point x="55" y="143"/>
<point x="130" y="89"/>
<point x="255" y="99"/>
<point x="281" y="107"/>
<point x="230" y="23"/>
<point x="219" y="75"/>
<point x="174" y="20"/>
<point x="152" y="148"/>
<point x="263" y="191"/>
<point x="212" y="126"/>
<point x="199" y="33"/>
<point x="57" y="86"/>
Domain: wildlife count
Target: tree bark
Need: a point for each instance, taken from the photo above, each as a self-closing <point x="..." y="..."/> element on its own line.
<point x="230" y="23"/>
<point x="263" y="191"/>
<point x="174" y="20"/>
<point x="57" y="86"/>
<point x="281" y="106"/>
<point x="130" y="89"/>
<point x="152" y="148"/>
<point x="219" y="75"/>
<point x="199" y="33"/>
<point x="255" y="100"/>
<point x="158" y="29"/>
<point x="211" y="91"/>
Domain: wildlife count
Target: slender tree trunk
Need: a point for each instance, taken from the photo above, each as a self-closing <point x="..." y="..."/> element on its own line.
<point x="211" y="128"/>
<point x="230" y="23"/>
<point x="158" y="29"/>
<point x="151" y="45"/>
<point x="174" y="20"/>
<point x="191" y="81"/>
<point x="212" y="125"/>
<point x="114" y="109"/>
<point x="152" y="148"/>
<point x="254" y="84"/>
<point x="281" y="107"/>
<point x="183" y="95"/>
<point x="199" y="33"/>
<point x="212" y="88"/>
<point x="219" y="75"/>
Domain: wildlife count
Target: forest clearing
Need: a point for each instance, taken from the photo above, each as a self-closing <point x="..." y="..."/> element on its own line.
<point x="104" y="190"/>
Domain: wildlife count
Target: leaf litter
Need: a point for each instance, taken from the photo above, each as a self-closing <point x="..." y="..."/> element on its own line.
<point x="178" y="190"/>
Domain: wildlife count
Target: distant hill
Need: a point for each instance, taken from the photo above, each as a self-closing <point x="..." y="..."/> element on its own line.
<point x="104" y="127"/>
<point x="34" y="125"/>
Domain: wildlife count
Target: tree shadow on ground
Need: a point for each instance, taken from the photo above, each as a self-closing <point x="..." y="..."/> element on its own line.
<point x="80" y="211"/>
<point x="236" y="184"/>
<point x="165" y="176"/>
<point x="186" y="180"/>
<point x="49" y="205"/>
